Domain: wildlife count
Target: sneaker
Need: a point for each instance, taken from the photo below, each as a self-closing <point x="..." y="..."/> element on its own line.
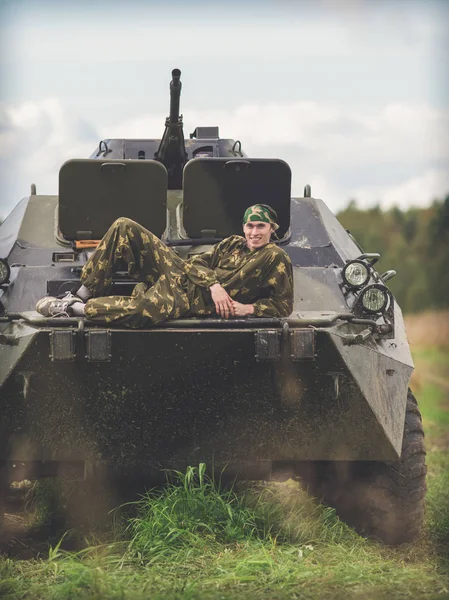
<point x="85" y="295"/>
<point x="57" y="307"/>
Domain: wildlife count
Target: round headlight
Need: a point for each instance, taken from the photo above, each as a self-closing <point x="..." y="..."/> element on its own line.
<point x="4" y="271"/>
<point x="356" y="273"/>
<point x="374" y="299"/>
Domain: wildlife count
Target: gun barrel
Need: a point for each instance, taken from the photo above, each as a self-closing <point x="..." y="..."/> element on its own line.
<point x="175" y="94"/>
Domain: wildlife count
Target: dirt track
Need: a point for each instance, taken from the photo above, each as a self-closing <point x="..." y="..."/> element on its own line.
<point x="18" y="539"/>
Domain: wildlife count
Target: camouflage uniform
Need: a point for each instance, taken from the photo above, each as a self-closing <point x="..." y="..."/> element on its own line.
<point x="171" y="287"/>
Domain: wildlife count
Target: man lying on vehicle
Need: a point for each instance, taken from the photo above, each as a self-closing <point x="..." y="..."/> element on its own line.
<point x="238" y="277"/>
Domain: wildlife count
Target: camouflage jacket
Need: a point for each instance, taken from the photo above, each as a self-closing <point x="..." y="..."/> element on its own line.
<point x="263" y="277"/>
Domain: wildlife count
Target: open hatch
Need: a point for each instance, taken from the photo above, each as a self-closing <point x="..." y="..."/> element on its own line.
<point x="94" y="193"/>
<point x="217" y="191"/>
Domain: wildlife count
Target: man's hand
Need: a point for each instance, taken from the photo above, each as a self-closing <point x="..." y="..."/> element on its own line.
<point x="223" y="302"/>
<point x="242" y="310"/>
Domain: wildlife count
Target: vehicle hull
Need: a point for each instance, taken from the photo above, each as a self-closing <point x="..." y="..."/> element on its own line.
<point x="169" y="397"/>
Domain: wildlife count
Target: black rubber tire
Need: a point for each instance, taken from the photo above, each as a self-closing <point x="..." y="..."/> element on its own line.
<point x="3" y="489"/>
<point x="381" y="500"/>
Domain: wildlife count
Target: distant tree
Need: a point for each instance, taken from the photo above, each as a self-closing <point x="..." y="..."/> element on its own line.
<point x="440" y="221"/>
<point x="398" y="216"/>
<point x="410" y="226"/>
<point x="438" y="253"/>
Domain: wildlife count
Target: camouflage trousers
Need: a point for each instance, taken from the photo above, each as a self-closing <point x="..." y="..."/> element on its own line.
<point x="164" y="290"/>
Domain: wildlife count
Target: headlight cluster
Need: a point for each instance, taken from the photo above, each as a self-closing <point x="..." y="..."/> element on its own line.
<point x="4" y="271"/>
<point x="373" y="298"/>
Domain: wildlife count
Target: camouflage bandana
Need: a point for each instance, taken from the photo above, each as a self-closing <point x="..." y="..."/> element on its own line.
<point x="261" y="212"/>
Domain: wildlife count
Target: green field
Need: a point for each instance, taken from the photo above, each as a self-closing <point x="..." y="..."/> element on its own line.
<point x="197" y="541"/>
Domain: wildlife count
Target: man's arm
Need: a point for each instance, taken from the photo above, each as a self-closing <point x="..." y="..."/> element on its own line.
<point x="280" y="280"/>
<point x="200" y="268"/>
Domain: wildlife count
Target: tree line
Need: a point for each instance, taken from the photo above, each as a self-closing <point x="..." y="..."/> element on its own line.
<point x="413" y="242"/>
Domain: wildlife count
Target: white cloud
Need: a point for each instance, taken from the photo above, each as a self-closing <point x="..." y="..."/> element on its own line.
<point x="397" y="155"/>
<point x="35" y="139"/>
<point x="415" y="191"/>
<point x="390" y="157"/>
<point x="326" y="133"/>
<point x="285" y="27"/>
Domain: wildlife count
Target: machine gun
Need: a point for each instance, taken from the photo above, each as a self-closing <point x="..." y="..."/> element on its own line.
<point x="172" y="152"/>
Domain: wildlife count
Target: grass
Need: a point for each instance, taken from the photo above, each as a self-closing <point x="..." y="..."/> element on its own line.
<point x="428" y="330"/>
<point x="435" y="412"/>
<point x="197" y="539"/>
<point x="334" y="563"/>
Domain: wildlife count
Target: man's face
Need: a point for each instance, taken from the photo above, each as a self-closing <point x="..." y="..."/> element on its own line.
<point x="257" y="233"/>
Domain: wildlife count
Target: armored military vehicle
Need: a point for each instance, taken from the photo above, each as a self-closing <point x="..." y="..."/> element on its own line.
<point x="322" y="394"/>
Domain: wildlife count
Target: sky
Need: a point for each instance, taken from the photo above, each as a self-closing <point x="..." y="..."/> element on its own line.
<point x="353" y="94"/>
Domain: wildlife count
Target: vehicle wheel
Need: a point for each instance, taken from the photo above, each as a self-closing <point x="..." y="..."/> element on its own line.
<point x="382" y="500"/>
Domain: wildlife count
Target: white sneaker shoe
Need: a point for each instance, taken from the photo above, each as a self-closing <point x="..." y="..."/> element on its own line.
<point x="57" y="307"/>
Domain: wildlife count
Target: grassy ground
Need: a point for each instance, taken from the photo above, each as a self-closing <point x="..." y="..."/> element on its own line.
<point x="428" y="329"/>
<point x="197" y="541"/>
